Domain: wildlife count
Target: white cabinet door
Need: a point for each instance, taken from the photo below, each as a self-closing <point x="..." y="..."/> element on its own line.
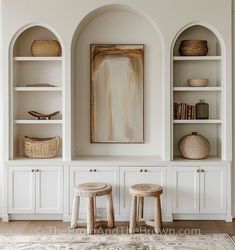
<point x="185" y="190"/>
<point x="109" y="175"/>
<point x="135" y="175"/>
<point x="213" y="190"/>
<point x="21" y="190"/>
<point x="49" y="189"/>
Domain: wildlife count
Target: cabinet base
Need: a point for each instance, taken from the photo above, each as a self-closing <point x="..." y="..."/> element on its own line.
<point x="200" y="217"/>
<point x="35" y="216"/>
<point x="165" y="218"/>
<point x="5" y="218"/>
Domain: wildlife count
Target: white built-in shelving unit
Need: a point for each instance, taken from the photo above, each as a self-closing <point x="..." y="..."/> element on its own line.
<point x="209" y="67"/>
<point x="36" y="189"/>
<point x="28" y="69"/>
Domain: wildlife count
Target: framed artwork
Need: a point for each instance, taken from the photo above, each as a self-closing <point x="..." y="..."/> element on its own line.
<point x="117" y="93"/>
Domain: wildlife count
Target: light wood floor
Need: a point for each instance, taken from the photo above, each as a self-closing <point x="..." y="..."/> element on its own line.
<point x="34" y="227"/>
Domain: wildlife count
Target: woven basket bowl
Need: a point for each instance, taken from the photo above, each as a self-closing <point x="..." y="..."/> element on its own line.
<point x="194" y="43"/>
<point x="194" y="146"/>
<point x="197" y="82"/>
<point x="41" y="147"/>
<point x="46" y="48"/>
<point x="193" y="48"/>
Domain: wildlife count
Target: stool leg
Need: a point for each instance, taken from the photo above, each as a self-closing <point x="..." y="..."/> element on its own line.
<point x="110" y="213"/>
<point x="157" y="214"/>
<point x="75" y="211"/>
<point x="141" y="207"/>
<point x="137" y="211"/>
<point x="95" y="209"/>
<point x="90" y="215"/>
<point x="133" y="214"/>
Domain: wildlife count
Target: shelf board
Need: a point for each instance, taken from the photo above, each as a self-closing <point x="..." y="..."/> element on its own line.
<point x="208" y="159"/>
<point x="189" y="89"/>
<point x="32" y="58"/>
<point x="23" y="160"/>
<point x="197" y="58"/>
<point x="117" y="158"/>
<point x="38" y="121"/>
<point x="37" y="89"/>
<point x="198" y="121"/>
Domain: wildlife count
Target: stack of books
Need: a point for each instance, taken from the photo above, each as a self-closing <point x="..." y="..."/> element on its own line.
<point x="182" y="111"/>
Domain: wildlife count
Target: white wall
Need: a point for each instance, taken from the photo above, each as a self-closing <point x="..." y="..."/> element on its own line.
<point x="123" y="28"/>
<point x="168" y="17"/>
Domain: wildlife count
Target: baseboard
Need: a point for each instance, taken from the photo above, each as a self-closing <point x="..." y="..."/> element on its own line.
<point x="199" y="217"/>
<point x="233" y="213"/>
<point x="165" y="218"/>
<point x="35" y="217"/>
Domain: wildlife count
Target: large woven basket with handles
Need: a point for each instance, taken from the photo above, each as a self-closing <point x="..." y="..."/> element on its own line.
<point x="41" y="147"/>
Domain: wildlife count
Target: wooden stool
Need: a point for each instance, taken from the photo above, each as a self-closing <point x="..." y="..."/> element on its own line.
<point x="138" y="192"/>
<point x="91" y="191"/>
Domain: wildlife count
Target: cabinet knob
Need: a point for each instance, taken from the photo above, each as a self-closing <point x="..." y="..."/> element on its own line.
<point x="198" y="170"/>
<point x="94" y="170"/>
<point x="37" y="170"/>
<point x="202" y="170"/>
<point x="32" y="170"/>
<point x="146" y="170"/>
<point x="141" y="170"/>
<point x="90" y="170"/>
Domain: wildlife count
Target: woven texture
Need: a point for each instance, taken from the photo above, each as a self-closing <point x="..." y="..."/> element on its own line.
<point x="193" y="48"/>
<point x="41" y="147"/>
<point x="194" y="146"/>
<point x="46" y="48"/>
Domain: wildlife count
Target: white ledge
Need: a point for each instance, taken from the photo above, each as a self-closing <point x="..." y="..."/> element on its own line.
<point x="197" y="58"/>
<point x="32" y="58"/>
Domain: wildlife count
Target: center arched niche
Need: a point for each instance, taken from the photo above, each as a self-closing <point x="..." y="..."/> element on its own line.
<point x="117" y="24"/>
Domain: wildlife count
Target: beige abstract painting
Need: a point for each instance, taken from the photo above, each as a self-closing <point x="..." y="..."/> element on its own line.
<point x="117" y="86"/>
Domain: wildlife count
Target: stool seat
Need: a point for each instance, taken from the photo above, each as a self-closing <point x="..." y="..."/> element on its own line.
<point x="92" y="189"/>
<point x="92" y="186"/>
<point x="146" y="190"/>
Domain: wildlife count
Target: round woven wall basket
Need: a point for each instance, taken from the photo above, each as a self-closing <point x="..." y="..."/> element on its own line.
<point x="193" y="48"/>
<point x="194" y="146"/>
<point x="46" y="48"/>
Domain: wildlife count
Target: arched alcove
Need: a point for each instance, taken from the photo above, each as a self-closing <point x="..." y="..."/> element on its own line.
<point x="28" y="90"/>
<point x="23" y="41"/>
<point x="117" y="24"/>
<point x="198" y="32"/>
<point x="198" y="67"/>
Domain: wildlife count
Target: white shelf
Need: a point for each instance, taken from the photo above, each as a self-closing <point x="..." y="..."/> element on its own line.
<point x="189" y="89"/>
<point x="207" y="159"/>
<point x="37" y="89"/>
<point x="32" y="58"/>
<point x="117" y="158"/>
<point x="38" y="121"/>
<point x="23" y="160"/>
<point x="198" y="121"/>
<point x="197" y="58"/>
